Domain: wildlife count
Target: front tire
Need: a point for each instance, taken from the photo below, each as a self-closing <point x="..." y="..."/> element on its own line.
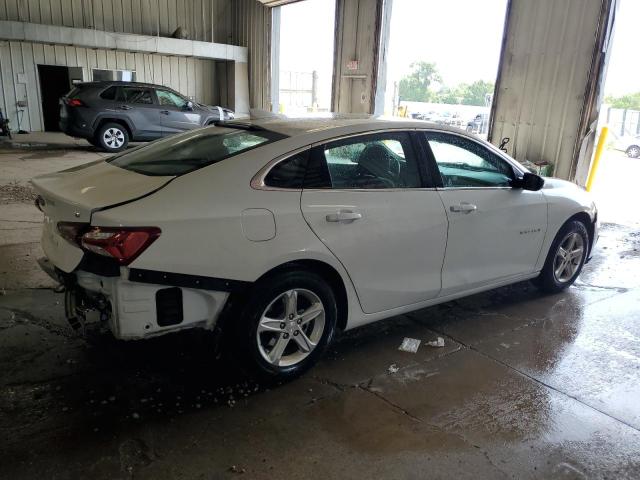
<point x="112" y="137"/>
<point x="565" y="259"/>
<point x="285" y="327"/>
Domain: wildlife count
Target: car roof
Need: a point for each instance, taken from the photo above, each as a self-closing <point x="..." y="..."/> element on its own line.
<point x="332" y="124"/>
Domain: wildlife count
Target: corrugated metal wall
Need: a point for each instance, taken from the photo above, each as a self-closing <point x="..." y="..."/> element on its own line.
<point x="359" y="29"/>
<point x="189" y="76"/>
<point x="545" y="75"/>
<point x="251" y="27"/>
<point x="205" y="20"/>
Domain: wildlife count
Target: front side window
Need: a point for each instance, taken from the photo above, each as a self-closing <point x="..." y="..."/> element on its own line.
<point x="135" y="95"/>
<point x="170" y="99"/>
<point x="465" y="163"/>
<point x="376" y="161"/>
<point x="180" y="154"/>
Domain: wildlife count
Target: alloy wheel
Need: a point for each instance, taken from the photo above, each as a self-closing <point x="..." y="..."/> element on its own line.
<point x="113" y="137"/>
<point x="633" y="152"/>
<point x="568" y="257"/>
<point x="291" y="327"/>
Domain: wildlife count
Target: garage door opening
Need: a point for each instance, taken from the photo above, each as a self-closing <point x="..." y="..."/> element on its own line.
<point x="303" y="56"/>
<point x="619" y="166"/>
<point x="55" y="81"/>
<point x="443" y="61"/>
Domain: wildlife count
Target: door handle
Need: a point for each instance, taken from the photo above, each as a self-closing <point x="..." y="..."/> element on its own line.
<point x="125" y="107"/>
<point x="344" y="216"/>
<point x="463" y="207"/>
<point x="164" y="112"/>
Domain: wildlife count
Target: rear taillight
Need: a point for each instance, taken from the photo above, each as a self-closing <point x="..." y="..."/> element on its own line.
<point x="74" y="102"/>
<point x="123" y="244"/>
<point x="72" y="231"/>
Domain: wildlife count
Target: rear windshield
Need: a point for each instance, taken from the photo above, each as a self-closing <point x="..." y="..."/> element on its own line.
<point x="185" y="153"/>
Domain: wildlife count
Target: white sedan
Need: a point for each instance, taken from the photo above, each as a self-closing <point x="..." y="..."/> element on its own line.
<point x="282" y="231"/>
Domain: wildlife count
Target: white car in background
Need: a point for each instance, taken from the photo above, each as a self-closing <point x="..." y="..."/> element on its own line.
<point x="283" y="231"/>
<point x="629" y="145"/>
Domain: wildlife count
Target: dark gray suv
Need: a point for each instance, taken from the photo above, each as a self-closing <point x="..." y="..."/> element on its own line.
<point x="109" y="114"/>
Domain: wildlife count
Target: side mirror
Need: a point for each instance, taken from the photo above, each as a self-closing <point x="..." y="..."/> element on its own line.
<point x="529" y="181"/>
<point x="188" y="105"/>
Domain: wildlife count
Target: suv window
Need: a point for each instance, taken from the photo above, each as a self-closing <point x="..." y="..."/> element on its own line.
<point x="135" y="95"/>
<point x="289" y="173"/>
<point x="465" y="163"/>
<point x="379" y="161"/>
<point x="109" y="94"/>
<point x="170" y="99"/>
<point x="180" y="154"/>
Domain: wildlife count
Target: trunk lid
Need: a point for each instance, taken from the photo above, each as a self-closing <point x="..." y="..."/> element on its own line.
<point x="72" y="195"/>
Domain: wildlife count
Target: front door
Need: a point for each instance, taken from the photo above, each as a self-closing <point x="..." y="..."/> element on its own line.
<point x="495" y="231"/>
<point x="175" y="115"/>
<point x="366" y="201"/>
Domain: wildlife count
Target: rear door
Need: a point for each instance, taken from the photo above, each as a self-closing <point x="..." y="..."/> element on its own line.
<point x="495" y="231"/>
<point x="175" y="115"/>
<point x="138" y="105"/>
<point x="366" y="200"/>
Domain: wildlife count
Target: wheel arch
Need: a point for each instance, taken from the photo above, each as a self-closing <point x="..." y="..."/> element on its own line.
<point x="327" y="272"/>
<point x="584" y="218"/>
<point x="120" y="121"/>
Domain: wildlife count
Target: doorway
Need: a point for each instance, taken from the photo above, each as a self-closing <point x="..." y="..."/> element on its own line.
<point x="55" y="82"/>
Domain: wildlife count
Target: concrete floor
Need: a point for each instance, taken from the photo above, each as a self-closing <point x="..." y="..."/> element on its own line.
<point x="526" y="386"/>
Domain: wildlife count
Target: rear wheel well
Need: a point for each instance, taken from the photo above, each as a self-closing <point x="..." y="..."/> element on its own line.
<point x="113" y="120"/>
<point x="329" y="274"/>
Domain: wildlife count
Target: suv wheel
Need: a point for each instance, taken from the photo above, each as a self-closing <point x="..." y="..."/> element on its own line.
<point x="287" y="324"/>
<point x="112" y="137"/>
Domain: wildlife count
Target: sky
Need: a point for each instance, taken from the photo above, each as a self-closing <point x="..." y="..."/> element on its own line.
<point x="463" y="38"/>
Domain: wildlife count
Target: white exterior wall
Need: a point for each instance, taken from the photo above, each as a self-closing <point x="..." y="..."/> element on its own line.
<point x="189" y="76"/>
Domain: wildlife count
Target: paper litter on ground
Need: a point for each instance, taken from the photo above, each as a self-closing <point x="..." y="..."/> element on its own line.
<point x="393" y="368"/>
<point x="410" y="345"/>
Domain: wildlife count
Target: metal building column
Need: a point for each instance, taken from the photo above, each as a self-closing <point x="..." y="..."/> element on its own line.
<point x="550" y="79"/>
<point x="359" y="55"/>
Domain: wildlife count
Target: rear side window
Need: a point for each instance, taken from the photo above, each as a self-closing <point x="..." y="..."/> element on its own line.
<point x="109" y="93"/>
<point x="375" y="161"/>
<point x="135" y="95"/>
<point x="180" y="154"/>
<point x="289" y="173"/>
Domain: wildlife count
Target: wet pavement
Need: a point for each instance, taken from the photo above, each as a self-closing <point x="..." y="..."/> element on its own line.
<point x="526" y="386"/>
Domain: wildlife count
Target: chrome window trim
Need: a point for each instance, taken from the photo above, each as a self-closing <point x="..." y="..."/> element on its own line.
<point x="257" y="182"/>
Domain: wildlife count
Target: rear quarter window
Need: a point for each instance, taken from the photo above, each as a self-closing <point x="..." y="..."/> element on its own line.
<point x="109" y="93"/>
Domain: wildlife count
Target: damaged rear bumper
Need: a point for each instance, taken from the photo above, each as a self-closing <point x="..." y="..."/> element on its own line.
<point x="133" y="309"/>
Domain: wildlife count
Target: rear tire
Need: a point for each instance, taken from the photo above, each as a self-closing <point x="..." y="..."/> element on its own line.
<point x="565" y="259"/>
<point x="112" y="137"/>
<point x="280" y="337"/>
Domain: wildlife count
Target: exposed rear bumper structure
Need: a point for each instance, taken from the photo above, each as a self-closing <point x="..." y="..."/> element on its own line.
<point x="136" y="309"/>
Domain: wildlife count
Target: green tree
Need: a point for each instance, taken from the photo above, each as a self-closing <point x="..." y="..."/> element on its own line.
<point x="451" y="96"/>
<point x="415" y="86"/>
<point x="630" y="101"/>
<point x="475" y="93"/>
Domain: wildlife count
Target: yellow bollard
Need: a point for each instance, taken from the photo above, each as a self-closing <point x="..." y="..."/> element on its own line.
<point x="596" y="159"/>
